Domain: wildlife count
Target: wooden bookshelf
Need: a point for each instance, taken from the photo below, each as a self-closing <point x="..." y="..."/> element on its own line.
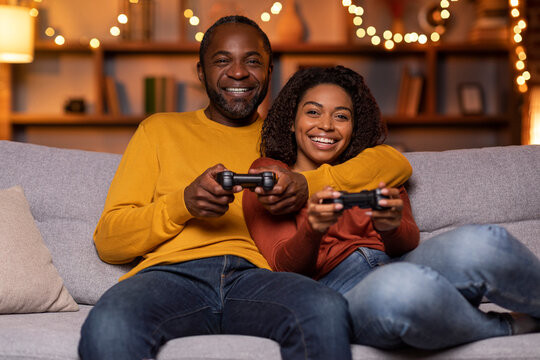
<point x="432" y="59"/>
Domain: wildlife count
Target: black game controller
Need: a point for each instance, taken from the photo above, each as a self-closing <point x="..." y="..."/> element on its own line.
<point x="228" y="180"/>
<point x="367" y="199"/>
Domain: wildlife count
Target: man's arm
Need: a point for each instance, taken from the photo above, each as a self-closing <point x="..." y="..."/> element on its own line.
<point x="133" y="221"/>
<point x="372" y="166"/>
<point x="381" y="163"/>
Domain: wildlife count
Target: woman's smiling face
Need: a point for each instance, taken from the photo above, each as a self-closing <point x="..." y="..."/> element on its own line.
<point x="323" y="126"/>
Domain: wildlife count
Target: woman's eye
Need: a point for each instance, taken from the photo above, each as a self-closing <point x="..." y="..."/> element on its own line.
<point x="343" y="117"/>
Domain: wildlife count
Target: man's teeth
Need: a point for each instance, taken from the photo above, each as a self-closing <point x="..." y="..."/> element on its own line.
<point x="323" y="140"/>
<point x="237" y="90"/>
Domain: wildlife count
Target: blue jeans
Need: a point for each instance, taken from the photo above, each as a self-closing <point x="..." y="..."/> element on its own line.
<point x="429" y="297"/>
<point x="218" y="295"/>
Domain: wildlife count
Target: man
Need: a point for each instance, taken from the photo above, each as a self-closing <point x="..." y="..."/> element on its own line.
<point x="200" y="272"/>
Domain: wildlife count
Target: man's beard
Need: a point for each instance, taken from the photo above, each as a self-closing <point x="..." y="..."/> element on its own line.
<point x="238" y="108"/>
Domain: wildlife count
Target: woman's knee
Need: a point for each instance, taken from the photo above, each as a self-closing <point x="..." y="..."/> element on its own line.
<point x="395" y="290"/>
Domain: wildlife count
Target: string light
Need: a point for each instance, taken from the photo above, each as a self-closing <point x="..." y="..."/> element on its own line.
<point x="397" y="37"/>
<point x="519" y="25"/>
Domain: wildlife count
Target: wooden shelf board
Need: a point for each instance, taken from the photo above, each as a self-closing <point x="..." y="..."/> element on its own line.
<point x="75" y="119"/>
<point x="448" y="120"/>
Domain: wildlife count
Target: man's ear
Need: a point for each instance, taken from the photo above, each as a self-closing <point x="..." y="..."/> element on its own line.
<point x="200" y="73"/>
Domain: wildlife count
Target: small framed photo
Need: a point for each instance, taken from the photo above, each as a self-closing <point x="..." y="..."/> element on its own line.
<point x="471" y="99"/>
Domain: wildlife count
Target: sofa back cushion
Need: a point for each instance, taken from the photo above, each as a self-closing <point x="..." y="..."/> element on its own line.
<point x="66" y="190"/>
<point x="498" y="185"/>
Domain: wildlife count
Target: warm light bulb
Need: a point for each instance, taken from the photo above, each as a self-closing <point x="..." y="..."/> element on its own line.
<point x="514" y="3"/>
<point x="375" y="40"/>
<point x="520" y="65"/>
<point x="276" y="8"/>
<point x="34" y="12"/>
<point x="515" y="12"/>
<point x="188" y="13"/>
<point x="359" y="11"/>
<point x="389" y="44"/>
<point x="265" y="16"/>
<point x="371" y="30"/>
<point x="445" y="14"/>
<point x="49" y="31"/>
<point x="94" y="43"/>
<point x="360" y="33"/>
<point x="352" y="9"/>
<point x="357" y="21"/>
<point x="422" y="39"/>
<point x="522" y="56"/>
<point x="122" y="19"/>
<point x="517" y="38"/>
<point x="59" y="40"/>
<point x="444" y="4"/>
<point x="346" y="3"/>
<point x="194" y="20"/>
<point x="517" y="29"/>
<point x="387" y="35"/>
<point x="523" y="88"/>
<point x="199" y="36"/>
<point x="114" y="30"/>
<point x="398" y="38"/>
<point x="522" y="24"/>
<point x="526" y="75"/>
<point x="520" y="80"/>
<point x="435" y="36"/>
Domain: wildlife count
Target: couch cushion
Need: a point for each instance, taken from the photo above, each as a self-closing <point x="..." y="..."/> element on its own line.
<point x="491" y="185"/>
<point x="29" y="282"/>
<point x="66" y="190"/>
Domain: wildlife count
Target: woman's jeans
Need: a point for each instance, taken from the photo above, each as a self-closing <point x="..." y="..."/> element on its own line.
<point x="429" y="297"/>
<point x="218" y="295"/>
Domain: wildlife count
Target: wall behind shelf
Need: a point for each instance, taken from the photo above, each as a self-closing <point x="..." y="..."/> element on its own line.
<point x="44" y="86"/>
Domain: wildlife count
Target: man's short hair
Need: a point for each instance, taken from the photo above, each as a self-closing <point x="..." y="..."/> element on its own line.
<point x="232" y="19"/>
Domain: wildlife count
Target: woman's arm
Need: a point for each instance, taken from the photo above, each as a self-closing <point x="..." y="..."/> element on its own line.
<point x="403" y="237"/>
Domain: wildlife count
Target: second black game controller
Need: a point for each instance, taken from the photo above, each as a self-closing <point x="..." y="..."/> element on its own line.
<point x="367" y="199"/>
<point x="229" y="179"/>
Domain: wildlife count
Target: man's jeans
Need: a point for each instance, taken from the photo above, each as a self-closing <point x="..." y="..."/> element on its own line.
<point x="429" y="298"/>
<point x="219" y="295"/>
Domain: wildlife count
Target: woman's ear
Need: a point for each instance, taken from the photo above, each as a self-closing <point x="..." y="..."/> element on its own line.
<point x="292" y="126"/>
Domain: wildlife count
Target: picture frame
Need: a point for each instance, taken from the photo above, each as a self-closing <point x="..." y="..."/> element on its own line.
<point x="471" y="98"/>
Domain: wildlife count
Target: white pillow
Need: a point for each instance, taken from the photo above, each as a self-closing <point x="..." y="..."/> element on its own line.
<point x="29" y="282"/>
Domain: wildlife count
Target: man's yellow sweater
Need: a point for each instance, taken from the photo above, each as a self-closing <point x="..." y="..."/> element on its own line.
<point x="167" y="152"/>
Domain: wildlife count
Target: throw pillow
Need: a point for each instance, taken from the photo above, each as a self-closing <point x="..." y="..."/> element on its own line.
<point x="29" y="282"/>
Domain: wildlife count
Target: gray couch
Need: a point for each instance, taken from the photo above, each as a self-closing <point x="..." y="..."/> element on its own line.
<point x="66" y="190"/>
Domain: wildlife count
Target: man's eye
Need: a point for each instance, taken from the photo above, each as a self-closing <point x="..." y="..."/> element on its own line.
<point x="254" y="61"/>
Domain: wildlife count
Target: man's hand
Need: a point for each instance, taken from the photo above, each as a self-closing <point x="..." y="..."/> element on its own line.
<point x="289" y="194"/>
<point x="387" y="220"/>
<point x="322" y="216"/>
<point x="205" y="197"/>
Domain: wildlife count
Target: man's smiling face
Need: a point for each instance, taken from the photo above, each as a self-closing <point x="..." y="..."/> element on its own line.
<point x="236" y="72"/>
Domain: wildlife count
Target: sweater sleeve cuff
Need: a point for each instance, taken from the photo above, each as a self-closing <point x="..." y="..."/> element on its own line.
<point x="176" y="208"/>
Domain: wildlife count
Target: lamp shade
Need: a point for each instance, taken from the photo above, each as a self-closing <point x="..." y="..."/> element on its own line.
<point x="16" y="34"/>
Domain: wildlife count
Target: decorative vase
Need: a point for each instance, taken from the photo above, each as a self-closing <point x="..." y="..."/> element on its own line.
<point x="290" y="28"/>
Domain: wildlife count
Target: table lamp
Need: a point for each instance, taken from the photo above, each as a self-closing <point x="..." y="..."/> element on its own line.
<point x="16" y="46"/>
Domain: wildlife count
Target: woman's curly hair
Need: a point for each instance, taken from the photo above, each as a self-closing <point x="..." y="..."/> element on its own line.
<point x="278" y="141"/>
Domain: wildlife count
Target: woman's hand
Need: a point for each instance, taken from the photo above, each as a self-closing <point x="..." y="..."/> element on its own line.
<point x="389" y="219"/>
<point x="322" y="216"/>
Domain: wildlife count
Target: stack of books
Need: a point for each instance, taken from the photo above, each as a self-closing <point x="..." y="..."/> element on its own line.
<point x="410" y="93"/>
<point x="160" y="94"/>
<point x="491" y="22"/>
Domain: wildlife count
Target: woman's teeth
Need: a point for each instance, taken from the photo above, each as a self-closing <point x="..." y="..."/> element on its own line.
<point x="323" y="140"/>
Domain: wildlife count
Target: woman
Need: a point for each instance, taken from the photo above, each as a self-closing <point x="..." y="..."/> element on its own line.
<point x="424" y="297"/>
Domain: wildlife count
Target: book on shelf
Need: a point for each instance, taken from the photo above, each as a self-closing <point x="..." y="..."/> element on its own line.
<point x="112" y="101"/>
<point x="160" y="94"/>
<point x="410" y="93"/>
